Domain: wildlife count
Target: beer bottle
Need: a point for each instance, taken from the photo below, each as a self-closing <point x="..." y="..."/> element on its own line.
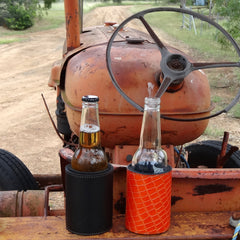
<point x="150" y="157"/>
<point x="89" y="156"/>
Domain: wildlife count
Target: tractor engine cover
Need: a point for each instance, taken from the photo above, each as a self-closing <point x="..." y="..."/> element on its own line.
<point x="135" y="62"/>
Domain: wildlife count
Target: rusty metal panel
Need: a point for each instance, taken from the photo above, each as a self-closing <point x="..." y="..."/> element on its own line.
<point x="206" y="190"/>
<point x="193" y="190"/>
<point x="22" y="203"/>
<point x="205" y="195"/>
<point x="183" y="226"/>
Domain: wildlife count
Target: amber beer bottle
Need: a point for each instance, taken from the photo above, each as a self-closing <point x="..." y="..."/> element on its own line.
<point x="150" y="157"/>
<point x="89" y="156"/>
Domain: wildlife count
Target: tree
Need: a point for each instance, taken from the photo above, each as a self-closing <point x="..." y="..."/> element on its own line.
<point x="230" y="9"/>
<point x="48" y="3"/>
<point x="18" y="14"/>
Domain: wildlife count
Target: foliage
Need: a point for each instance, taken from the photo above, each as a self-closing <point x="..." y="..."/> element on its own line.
<point x="181" y="2"/>
<point x="19" y="14"/>
<point x="230" y="9"/>
<point x="48" y="3"/>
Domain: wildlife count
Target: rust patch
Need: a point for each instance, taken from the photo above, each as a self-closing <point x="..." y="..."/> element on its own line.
<point x="210" y="189"/>
<point x="174" y="199"/>
<point x="120" y="205"/>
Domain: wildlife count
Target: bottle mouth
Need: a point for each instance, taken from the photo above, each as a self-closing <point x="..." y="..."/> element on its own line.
<point x="152" y="100"/>
<point x="152" y="103"/>
<point x="90" y="98"/>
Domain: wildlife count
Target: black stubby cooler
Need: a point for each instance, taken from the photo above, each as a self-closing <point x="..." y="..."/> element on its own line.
<point x="89" y="200"/>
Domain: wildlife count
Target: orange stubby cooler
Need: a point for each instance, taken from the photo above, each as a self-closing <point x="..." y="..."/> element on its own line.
<point x="148" y="201"/>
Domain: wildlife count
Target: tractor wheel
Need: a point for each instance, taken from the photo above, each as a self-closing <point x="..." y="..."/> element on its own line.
<point x="205" y="153"/>
<point x="14" y="174"/>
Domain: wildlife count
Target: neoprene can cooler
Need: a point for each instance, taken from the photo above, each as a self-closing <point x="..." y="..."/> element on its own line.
<point x="149" y="178"/>
<point x="89" y="178"/>
<point x="89" y="201"/>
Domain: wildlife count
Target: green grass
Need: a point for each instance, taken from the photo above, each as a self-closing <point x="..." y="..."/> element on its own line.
<point x="52" y="18"/>
<point x="214" y="132"/>
<point x="216" y="99"/>
<point x="204" y="43"/>
<point x="235" y="111"/>
<point x="7" y="41"/>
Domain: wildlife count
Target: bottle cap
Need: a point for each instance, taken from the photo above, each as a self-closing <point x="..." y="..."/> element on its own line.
<point x="90" y="98"/>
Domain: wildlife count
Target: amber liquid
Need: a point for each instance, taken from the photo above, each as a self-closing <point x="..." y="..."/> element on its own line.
<point x="89" y="157"/>
<point x="89" y="139"/>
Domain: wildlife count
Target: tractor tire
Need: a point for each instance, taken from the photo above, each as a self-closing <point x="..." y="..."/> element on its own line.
<point x="205" y="153"/>
<point x="14" y="174"/>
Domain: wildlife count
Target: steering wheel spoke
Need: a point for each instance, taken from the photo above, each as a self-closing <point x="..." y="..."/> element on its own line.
<point x="153" y="34"/>
<point x="206" y="65"/>
<point x="164" y="86"/>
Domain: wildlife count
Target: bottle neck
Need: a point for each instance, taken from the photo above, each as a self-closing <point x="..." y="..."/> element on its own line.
<point x="90" y="115"/>
<point x="89" y="127"/>
<point x="150" y="137"/>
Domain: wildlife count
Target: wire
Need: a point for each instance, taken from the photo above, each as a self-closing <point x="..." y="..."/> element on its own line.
<point x="182" y="157"/>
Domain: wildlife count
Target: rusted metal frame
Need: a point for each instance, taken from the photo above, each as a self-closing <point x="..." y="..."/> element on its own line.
<point x="219" y="188"/>
<point x="224" y="155"/>
<point x="221" y="179"/>
<point x="49" y="189"/>
<point x="48" y="179"/>
<point x="198" y="190"/>
<point x="224" y="149"/>
<point x="214" y="186"/>
<point x="209" y="173"/>
<point x="192" y="226"/>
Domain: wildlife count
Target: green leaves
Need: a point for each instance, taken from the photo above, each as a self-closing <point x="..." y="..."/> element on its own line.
<point x="230" y="9"/>
<point x="19" y="14"/>
<point x="20" y="17"/>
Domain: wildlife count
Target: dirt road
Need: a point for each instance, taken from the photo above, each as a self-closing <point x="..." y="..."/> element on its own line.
<point x="25" y="129"/>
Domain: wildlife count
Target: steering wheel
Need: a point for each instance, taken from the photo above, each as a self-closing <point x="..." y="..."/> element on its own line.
<point x="173" y="66"/>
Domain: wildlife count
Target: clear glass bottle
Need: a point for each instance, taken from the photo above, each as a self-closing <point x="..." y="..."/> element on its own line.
<point x="89" y="156"/>
<point x="150" y="157"/>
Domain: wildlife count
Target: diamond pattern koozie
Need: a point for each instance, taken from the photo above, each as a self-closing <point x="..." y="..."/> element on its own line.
<point x="148" y="206"/>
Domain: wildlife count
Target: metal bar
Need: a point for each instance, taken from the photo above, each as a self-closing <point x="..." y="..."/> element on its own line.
<point x="48" y="179"/>
<point x="47" y="191"/>
<point x="72" y="24"/>
<point x="223" y="150"/>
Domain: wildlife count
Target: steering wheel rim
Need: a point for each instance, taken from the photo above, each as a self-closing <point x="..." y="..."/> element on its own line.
<point x="190" y="67"/>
